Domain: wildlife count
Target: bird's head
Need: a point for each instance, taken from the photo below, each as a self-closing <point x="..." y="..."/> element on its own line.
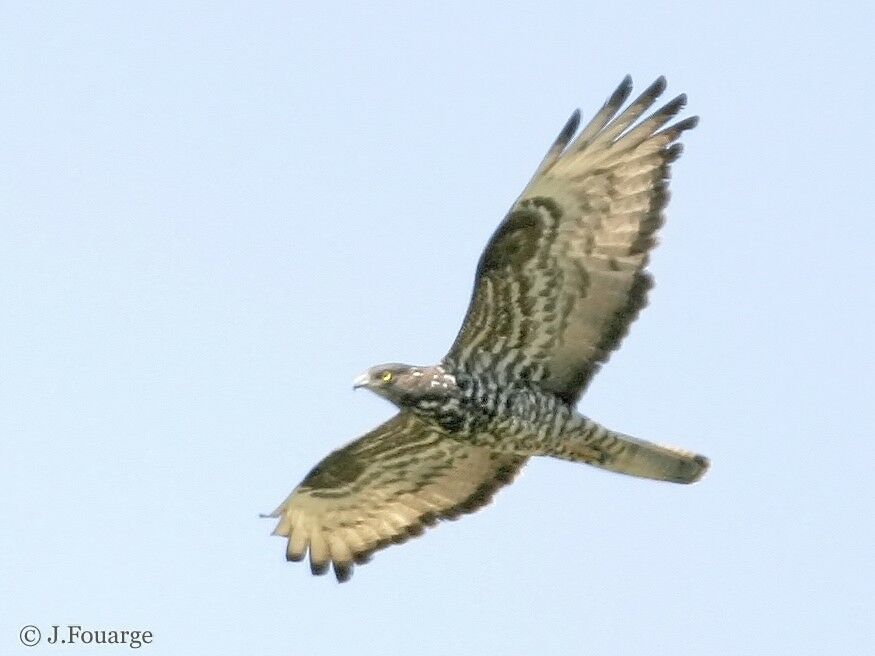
<point x="401" y="384"/>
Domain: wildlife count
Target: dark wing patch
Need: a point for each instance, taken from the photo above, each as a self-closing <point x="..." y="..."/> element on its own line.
<point x="337" y="470"/>
<point x="385" y="488"/>
<point x="563" y="276"/>
<point x="514" y="242"/>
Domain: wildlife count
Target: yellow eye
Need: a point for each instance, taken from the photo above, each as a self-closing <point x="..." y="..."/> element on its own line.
<point x="386" y="376"/>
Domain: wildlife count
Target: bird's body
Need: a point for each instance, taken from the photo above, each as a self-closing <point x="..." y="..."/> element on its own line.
<point x="480" y="409"/>
<point x="556" y="289"/>
<point x="514" y="416"/>
<point x="467" y="404"/>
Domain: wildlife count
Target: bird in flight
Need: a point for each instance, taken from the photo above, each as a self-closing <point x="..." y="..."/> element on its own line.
<point x="555" y="290"/>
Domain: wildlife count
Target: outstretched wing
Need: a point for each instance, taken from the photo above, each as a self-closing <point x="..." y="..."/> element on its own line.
<point x="563" y="276"/>
<point x="385" y="488"/>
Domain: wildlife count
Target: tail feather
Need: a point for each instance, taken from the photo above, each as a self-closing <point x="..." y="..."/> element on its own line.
<point x="596" y="445"/>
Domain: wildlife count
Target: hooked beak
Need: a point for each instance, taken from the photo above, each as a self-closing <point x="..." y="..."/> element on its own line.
<point x="361" y="381"/>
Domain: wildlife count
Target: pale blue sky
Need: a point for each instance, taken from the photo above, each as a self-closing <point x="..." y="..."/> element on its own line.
<point x="214" y="216"/>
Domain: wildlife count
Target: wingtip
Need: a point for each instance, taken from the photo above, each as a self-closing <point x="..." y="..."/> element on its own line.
<point x="342" y="571"/>
<point x="656" y="88"/>
<point x="622" y="92"/>
<point x="673" y="153"/>
<point x="675" y="105"/>
<point x="318" y="568"/>
<point x="572" y="124"/>
<point x="568" y="130"/>
<point x="688" y="123"/>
